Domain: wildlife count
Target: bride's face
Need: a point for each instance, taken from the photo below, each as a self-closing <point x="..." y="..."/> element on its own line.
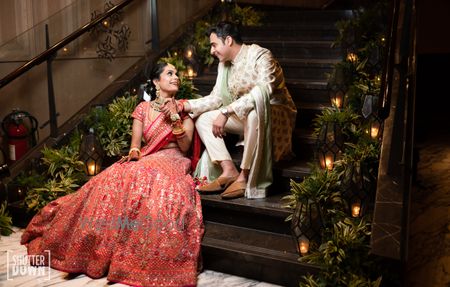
<point x="168" y="81"/>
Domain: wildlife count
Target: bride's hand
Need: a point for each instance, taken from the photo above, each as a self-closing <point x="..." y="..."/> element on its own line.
<point x="133" y="156"/>
<point x="169" y="107"/>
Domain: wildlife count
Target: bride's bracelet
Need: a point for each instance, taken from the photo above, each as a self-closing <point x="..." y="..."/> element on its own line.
<point x="134" y="149"/>
<point x="177" y="128"/>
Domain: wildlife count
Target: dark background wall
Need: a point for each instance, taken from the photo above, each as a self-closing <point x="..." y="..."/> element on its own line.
<point x="433" y="64"/>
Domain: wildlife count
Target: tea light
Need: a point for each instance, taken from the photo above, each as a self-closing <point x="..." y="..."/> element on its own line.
<point x="91" y="168"/>
<point x="303" y="246"/>
<point x="329" y="162"/>
<point x="356" y="209"/>
<point x="374" y="132"/>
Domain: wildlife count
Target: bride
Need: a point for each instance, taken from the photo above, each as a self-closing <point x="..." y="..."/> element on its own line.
<point x="139" y="222"/>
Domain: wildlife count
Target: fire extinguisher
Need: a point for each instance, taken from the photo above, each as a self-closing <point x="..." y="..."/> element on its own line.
<point x="20" y="128"/>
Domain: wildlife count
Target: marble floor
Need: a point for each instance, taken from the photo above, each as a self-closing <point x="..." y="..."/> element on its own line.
<point x="10" y="245"/>
<point x="428" y="263"/>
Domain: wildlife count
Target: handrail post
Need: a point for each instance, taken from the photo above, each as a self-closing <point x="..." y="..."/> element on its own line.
<point x="51" y="92"/>
<point x="155" y="25"/>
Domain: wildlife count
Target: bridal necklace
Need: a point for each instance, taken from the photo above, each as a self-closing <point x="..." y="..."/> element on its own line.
<point x="156" y="104"/>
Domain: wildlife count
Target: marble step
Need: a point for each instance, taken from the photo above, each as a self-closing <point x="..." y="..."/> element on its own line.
<point x="305" y="32"/>
<point x="309" y="69"/>
<point x="265" y="214"/>
<point x="304" y="143"/>
<point x="288" y="16"/>
<point x="307" y="112"/>
<point x="308" y="91"/>
<point x="299" y="49"/>
<point x="251" y="253"/>
<point x="298" y="24"/>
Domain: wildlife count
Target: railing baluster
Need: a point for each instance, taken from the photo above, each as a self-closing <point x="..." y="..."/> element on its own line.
<point x="155" y="25"/>
<point x="51" y="92"/>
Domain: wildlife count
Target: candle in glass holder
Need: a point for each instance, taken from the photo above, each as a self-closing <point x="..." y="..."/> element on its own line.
<point x="303" y="246"/>
<point x="329" y="162"/>
<point x="337" y="102"/>
<point x="374" y="132"/>
<point x="91" y="168"/>
<point x="356" y="209"/>
<point x="190" y="72"/>
<point x="352" y="57"/>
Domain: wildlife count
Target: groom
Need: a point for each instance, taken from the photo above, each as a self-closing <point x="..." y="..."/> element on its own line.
<point x="250" y="99"/>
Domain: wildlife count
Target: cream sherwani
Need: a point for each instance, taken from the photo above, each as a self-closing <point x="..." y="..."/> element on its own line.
<point x="253" y="86"/>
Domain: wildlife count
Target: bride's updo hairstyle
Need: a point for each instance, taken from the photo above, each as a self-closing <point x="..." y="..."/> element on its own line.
<point x="155" y="74"/>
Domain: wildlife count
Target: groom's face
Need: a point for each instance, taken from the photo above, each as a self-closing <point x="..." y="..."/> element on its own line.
<point x="220" y="48"/>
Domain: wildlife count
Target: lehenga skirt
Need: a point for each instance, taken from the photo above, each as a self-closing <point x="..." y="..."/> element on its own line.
<point x="138" y="223"/>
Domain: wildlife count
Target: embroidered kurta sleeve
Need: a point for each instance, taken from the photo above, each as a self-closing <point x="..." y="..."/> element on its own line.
<point x="264" y="75"/>
<point x="211" y="102"/>
<point x="139" y="112"/>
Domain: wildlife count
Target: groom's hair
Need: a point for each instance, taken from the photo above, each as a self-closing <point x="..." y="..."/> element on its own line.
<point x="224" y="29"/>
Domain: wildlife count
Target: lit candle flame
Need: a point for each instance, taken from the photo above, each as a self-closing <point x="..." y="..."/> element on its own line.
<point x="329" y="162"/>
<point x="190" y="72"/>
<point x="356" y="209"/>
<point x="337" y="102"/>
<point x="189" y="53"/>
<point x="304" y="246"/>
<point x="374" y="132"/>
<point x="91" y="168"/>
<point x="352" y="57"/>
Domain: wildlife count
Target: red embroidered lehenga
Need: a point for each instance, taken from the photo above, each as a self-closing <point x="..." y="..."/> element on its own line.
<point x="139" y="223"/>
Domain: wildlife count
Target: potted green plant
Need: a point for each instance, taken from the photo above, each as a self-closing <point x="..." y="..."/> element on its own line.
<point x="112" y="125"/>
<point x="5" y="220"/>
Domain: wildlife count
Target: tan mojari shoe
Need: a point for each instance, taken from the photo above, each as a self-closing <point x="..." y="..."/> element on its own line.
<point x="235" y="190"/>
<point x="217" y="185"/>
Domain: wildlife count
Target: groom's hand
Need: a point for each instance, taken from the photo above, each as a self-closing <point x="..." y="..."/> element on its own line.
<point x="218" y="128"/>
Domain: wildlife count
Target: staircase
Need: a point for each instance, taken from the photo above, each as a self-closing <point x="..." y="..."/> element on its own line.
<point x="251" y="238"/>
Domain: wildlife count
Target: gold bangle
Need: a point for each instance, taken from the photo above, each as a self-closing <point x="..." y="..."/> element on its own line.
<point x="134" y="149"/>
<point x="178" y="131"/>
<point x="177" y="128"/>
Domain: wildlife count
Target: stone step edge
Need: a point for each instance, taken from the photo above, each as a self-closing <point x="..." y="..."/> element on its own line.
<point x="246" y="205"/>
<point x="258" y="252"/>
<point x="247" y="230"/>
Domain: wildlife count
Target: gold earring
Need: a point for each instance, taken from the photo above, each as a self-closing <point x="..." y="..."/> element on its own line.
<point x="158" y="91"/>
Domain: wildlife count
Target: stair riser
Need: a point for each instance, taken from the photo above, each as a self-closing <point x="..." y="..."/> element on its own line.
<point x="305" y="117"/>
<point x="281" y="51"/>
<point x="306" y="16"/>
<point x="247" y="219"/>
<point x="283" y="33"/>
<point x="301" y="95"/>
<point x="254" y="267"/>
<point x="303" y="150"/>
<point x="307" y="72"/>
